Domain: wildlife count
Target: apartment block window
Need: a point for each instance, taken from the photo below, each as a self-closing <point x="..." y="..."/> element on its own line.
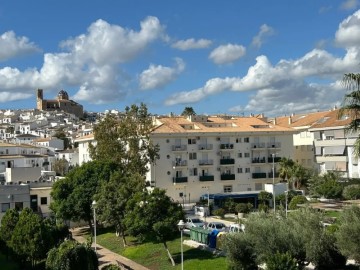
<point x="5" y="207"/>
<point x="238" y="140"/>
<point x="19" y="206"/>
<point x="227" y="189"/>
<point x="192" y="156"/>
<point x="193" y="171"/>
<point x="247" y="155"/>
<point x="240" y="155"/>
<point x="247" y="170"/>
<point x="43" y="200"/>
<point x="191" y="141"/>
<point x="246" y="139"/>
<point x="240" y="170"/>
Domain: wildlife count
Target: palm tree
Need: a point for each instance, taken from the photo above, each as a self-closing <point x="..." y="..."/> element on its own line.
<point x="300" y="176"/>
<point x="351" y="106"/>
<point x="286" y="169"/>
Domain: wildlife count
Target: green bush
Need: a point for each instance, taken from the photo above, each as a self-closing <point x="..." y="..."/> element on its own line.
<point x="299" y="199"/>
<point x="281" y="261"/>
<point x="219" y="212"/>
<point x="243" y="207"/>
<point x="263" y="208"/>
<point x="351" y="192"/>
<point x="111" y="267"/>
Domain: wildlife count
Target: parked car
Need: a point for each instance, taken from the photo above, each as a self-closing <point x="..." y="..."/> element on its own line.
<point x="217" y="226"/>
<point x="193" y="222"/>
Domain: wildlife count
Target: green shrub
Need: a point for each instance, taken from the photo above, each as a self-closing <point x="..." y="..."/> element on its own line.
<point x="281" y="261"/>
<point x="219" y="212"/>
<point x="243" y="207"/>
<point x="299" y="199"/>
<point x="351" y="192"/>
<point x="263" y="208"/>
<point x="111" y="267"/>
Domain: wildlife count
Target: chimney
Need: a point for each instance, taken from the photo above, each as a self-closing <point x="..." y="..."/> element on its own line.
<point x="290" y="120"/>
<point x="274" y="120"/>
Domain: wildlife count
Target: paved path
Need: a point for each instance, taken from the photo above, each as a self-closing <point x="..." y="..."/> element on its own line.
<point x="106" y="256"/>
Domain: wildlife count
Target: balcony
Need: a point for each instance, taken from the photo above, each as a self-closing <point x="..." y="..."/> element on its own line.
<point x="227" y="161"/>
<point x="226" y="146"/>
<point x="258" y="160"/>
<point x="205" y="147"/>
<point x="258" y="175"/>
<point x="177" y="180"/>
<point x="179" y="148"/>
<point x="227" y="176"/>
<point x="276" y="159"/>
<point x="204" y="178"/>
<point x="257" y="145"/>
<point x="179" y="163"/>
<point x="276" y="175"/>
<point x="206" y="162"/>
<point x="274" y="145"/>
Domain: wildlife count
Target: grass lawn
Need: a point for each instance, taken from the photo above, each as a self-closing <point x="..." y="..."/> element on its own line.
<point x="331" y="213"/>
<point x="154" y="256"/>
<point x="6" y="264"/>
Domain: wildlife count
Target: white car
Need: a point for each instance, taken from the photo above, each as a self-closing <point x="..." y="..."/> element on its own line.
<point x="193" y="222"/>
<point x="221" y="227"/>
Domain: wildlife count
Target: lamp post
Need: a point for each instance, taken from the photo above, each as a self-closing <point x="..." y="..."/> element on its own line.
<point x="208" y="198"/>
<point x="94" y="205"/>
<point x="273" y="175"/>
<point x="181" y="226"/>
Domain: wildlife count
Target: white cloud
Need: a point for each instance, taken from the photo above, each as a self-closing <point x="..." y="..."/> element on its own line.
<point x="191" y="43"/>
<point x="289" y="82"/>
<point x="12" y="46"/>
<point x="159" y="76"/>
<point x="265" y="31"/>
<point x="349" y="4"/>
<point x="225" y="54"/>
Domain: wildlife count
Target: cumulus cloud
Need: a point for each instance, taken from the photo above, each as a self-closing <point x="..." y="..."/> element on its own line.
<point x="90" y="61"/>
<point x="226" y="54"/>
<point x="349" y="4"/>
<point x="289" y="82"/>
<point x="191" y="43"/>
<point x="159" y="76"/>
<point x="265" y="31"/>
<point x="12" y="46"/>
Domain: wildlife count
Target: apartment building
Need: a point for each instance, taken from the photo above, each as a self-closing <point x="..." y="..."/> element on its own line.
<point x="334" y="147"/>
<point x="201" y="154"/>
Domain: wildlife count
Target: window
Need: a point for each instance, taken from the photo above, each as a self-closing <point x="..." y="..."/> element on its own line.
<point x="227" y="189"/>
<point x="238" y="140"/>
<point x="192" y="156"/>
<point x="246" y="154"/>
<point x="246" y="139"/>
<point x="193" y="172"/>
<point x="191" y="141"/>
<point x="240" y="170"/>
<point x="240" y="155"/>
<point x="5" y="207"/>
<point x="247" y="170"/>
<point x="43" y="200"/>
<point x="19" y="206"/>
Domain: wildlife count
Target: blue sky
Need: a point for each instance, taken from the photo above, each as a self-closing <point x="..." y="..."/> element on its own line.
<point x="229" y="57"/>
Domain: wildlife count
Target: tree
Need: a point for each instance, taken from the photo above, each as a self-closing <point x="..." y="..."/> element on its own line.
<point x="264" y="197"/>
<point x="300" y="176"/>
<point x="60" y="134"/>
<point x="351" y="106"/>
<point x="188" y="111"/>
<point x="298" y="199"/>
<point x="71" y="255"/>
<point x="154" y="214"/>
<point x="326" y="185"/>
<point x="286" y="169"/>
<point x="348" y="233"/>
<point x="281" y="261"/>
<point x="113" y="198"/>
<point x="60" y="166"/>
<point x="351" y="192"/>
<point x="8" y="224"/>
<point x="73" y="195"/>
<point x="126" y="140"/>
<point x="30" y="239"/>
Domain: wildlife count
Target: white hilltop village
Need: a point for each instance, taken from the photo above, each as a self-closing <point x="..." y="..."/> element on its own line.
<point x="219" y="156"/>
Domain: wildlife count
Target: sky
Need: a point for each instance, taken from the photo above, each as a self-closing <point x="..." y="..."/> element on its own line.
<point x="275" y="57"/>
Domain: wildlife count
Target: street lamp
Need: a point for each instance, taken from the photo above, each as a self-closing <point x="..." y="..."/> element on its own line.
<point x="273" y="175"/>
<point x="94" y="205"/>
<point x="181" y="226"/>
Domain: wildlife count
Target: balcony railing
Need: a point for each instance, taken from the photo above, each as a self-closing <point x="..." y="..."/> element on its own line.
<point x="227" y="161"/>
<point x="227" y="177"/>
<point x="179" y="163"/>
<point x="258" y="145"/>
<point x="180" y="179"/>
<point x="259" y="160"/>
<point x="226" y="146"/>
<point x="206" y="162"/>
<point x="276" y="159"/>
<point x="179" y="147"/>
<point x="258" y="175"/>
<point x="274" y="145"/>
<point x="205" y="147"/>
<point x="276" y="175"/>
<point x="204" y="178"/>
